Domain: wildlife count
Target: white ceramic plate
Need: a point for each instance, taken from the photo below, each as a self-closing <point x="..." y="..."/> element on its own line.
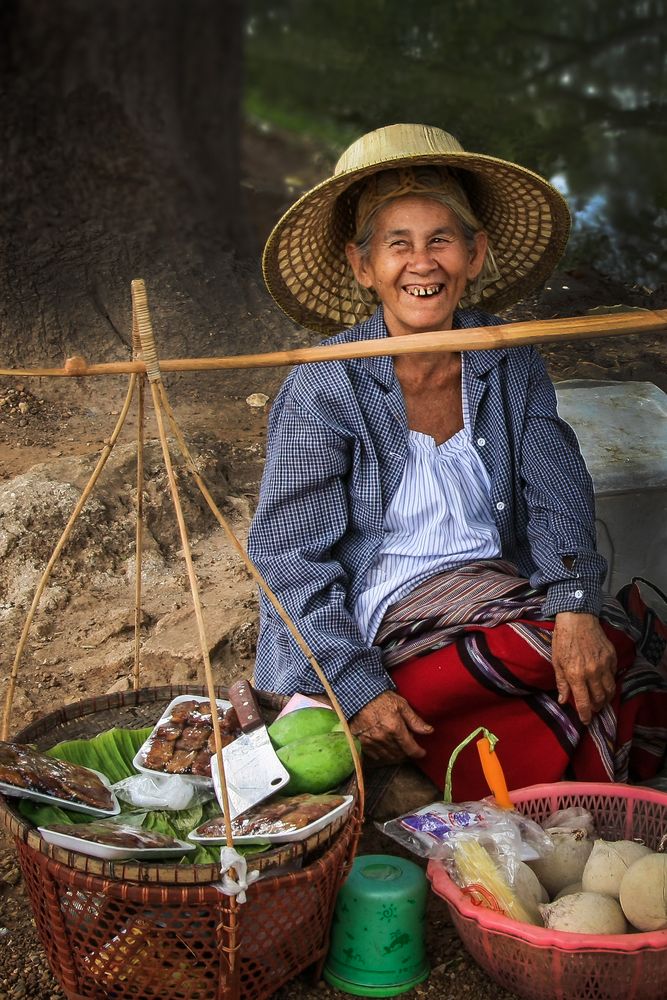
<point x="53" y="800"/>
<point x="108" y="852"/>
<point x="138" y="761"/>
<point x="286" y="837"/>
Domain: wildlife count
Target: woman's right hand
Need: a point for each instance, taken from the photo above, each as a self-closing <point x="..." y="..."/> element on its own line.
<point x="385" y="727"/>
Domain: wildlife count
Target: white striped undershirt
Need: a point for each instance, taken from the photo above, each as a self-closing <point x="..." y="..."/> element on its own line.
<point x="440" y="517"/>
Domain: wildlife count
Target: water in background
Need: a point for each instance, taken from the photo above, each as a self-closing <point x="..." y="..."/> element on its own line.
<point x="576" y="90"/>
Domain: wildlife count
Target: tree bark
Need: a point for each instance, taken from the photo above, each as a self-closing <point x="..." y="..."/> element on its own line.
<point x="120" y="132"/>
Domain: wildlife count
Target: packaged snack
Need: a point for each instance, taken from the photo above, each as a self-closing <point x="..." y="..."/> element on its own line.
<point x="27" y="773"/>
<point x="284" y="818"/>
<point x="183" y="741"/>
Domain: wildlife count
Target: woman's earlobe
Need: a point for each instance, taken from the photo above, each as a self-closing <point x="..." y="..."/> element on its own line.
<point x="478" y="255"/>
<point x="353" y="258"/>
<point x="356" y="262"/>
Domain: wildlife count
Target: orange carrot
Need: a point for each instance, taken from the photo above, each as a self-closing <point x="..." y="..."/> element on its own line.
<point x="493" y="773"/>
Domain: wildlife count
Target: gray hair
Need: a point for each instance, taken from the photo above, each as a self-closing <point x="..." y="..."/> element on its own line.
<point x="470" y="227"/>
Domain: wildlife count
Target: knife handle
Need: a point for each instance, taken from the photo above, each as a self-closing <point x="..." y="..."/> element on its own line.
<point x="243" y="700"/>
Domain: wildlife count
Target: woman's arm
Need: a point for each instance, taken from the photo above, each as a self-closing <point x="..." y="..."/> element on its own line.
<point x="301" y="517"/>
<point x="561" y="509"/>
<point x="561" y="528"/>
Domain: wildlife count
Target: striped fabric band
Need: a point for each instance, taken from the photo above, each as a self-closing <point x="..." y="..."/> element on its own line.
<point x="482" y="594"/>
<point x="463" y="604"/>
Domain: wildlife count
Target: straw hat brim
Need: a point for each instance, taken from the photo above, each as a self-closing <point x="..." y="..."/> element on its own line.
<point x="304" y="263"/>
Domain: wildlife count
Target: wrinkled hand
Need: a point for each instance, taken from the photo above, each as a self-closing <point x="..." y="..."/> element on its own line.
<point x="385" y="727"/>
<point x="584" y="662"/>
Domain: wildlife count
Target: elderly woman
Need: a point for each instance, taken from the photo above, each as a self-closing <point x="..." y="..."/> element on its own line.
<point x="428" y="521"/>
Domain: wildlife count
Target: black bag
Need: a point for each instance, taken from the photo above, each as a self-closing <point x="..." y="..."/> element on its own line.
<point x="653" y="641"/>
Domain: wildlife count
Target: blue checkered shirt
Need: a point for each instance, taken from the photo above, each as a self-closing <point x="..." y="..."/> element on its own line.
<point x="336" y="451"/>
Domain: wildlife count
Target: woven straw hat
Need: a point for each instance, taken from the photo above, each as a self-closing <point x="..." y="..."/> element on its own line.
<point x="304" y="263"/>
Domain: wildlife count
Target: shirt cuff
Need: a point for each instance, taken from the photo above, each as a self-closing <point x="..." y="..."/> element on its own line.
<point x="576" y="594"/>
<point x="355" y="689"/>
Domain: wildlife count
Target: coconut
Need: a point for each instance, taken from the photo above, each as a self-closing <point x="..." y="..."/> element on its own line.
<point x="565" y="864"/>
<point x="528" y="885"/>
<point x="607" y="864"/>
<point x="569" y="890"/>
<point x="584" y="913"/>
<point x="529" y="891"/>
<point x="643" y="893"/>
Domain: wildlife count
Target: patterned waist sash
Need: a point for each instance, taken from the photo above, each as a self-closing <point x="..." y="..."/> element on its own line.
<point x="481" y="594"/>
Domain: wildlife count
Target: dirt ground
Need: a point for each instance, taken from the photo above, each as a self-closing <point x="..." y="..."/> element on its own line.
<point x="82" y="639"/>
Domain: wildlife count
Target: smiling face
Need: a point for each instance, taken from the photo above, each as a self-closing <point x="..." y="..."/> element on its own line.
<point x="418" y="264"/>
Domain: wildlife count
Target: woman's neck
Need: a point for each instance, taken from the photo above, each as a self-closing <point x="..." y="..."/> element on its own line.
<point x="428" y="370"/>
<point x="431" y="387"/>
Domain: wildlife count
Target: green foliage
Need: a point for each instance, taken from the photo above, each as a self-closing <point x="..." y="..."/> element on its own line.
<point x="506" y="78"/>
<point x="574" y="88"/>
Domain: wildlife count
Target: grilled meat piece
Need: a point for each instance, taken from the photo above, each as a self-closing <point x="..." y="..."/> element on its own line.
<point x="181" y="761"/>
<point x="180" y="712"/>
<point x="202" y="764"/>
<point x="168" y="731"/>
<point x="225" y="739"/>
<point x="194" y="737"/>
<point x="24" y="767"/>
<point x="230" y="722"/>
<point x="159" y="754"/>
<point x="114" y="834"/>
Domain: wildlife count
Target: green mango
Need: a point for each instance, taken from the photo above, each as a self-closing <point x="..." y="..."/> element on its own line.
<point x="318" y="763"/>
<point x="300" y="724"/>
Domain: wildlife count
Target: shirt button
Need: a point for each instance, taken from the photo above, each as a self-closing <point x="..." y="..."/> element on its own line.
<point x="578" y="593"/>
<point x="481" y="442"/>
<point x="500" y="505"/>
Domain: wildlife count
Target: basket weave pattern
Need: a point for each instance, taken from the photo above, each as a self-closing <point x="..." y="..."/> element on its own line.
<point x="127" y="930"/>
<point x="550" y="965"/>
<point x="120" y="939"/>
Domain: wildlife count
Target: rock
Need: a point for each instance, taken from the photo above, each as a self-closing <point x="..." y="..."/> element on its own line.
<point x="122" y="684"/>
<point x="258" y="400"/>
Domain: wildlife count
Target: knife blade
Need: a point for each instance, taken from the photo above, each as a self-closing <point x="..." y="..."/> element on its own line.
<point x="253" y="772"/>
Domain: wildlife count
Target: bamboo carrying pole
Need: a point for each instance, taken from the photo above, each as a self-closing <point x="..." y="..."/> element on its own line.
<point x="542" y="331"/>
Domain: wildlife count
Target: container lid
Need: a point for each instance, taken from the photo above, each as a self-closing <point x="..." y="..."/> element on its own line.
<point x="622" y="432"/>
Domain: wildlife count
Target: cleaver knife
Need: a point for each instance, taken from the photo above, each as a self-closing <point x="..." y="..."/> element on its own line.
<point x="252" y="769"/>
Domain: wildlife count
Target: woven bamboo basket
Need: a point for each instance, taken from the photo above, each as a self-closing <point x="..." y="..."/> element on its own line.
<point x="131" y="930"/>
<point x="119" y="930"/>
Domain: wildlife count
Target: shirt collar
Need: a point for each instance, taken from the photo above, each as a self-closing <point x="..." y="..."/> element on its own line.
<point x="382" y="368"/>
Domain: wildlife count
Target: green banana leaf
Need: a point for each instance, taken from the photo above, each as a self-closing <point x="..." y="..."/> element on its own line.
<point x="112" y="753"/>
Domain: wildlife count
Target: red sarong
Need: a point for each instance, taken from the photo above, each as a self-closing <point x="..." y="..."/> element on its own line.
<point x="493" y="668"/>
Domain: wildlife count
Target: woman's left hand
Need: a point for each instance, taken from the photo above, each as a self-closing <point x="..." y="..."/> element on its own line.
<point x="584" y="662"/>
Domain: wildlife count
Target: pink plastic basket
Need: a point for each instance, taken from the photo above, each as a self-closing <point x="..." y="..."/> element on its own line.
<point x="551" y="965"/>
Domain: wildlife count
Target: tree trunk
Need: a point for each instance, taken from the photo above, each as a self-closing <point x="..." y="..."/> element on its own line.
<point x="120" y="131"/>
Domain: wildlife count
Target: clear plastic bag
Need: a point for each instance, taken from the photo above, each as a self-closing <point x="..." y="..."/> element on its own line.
<point x="174" y="793"/>
<point x="573" y="818"/>
<point x="432" y="832"/>
<point x="487" y="881"/>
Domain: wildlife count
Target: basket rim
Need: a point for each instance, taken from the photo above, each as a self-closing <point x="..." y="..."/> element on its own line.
<point x="541" y="937"/>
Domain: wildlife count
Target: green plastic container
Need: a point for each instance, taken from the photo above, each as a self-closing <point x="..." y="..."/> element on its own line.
<point x="377" y="936"/>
